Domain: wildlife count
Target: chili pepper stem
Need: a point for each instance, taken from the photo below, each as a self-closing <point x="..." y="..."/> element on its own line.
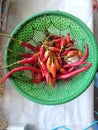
<point x="9" y="65"/>
<point x="13" y="51"/>
<point x="7" y="35"/>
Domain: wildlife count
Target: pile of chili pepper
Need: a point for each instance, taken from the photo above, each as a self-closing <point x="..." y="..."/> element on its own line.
<point x="54" y="58"/>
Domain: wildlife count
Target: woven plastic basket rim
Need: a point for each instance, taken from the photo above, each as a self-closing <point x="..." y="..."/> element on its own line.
<point x="88" y="31"/>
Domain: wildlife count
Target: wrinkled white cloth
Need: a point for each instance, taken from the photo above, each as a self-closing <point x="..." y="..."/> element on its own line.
<point x="76" y="114"/>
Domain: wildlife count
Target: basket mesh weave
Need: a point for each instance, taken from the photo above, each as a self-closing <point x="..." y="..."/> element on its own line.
<point x="32" y="31"/>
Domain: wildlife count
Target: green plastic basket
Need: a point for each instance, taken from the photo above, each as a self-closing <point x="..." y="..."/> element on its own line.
<point x="31" y="30"/>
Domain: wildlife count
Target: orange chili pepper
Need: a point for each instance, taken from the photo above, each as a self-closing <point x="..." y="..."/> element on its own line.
<point x="53" y="69"/>
<point x="46" y="54"/>
<point x="72" y="53"/>
<point x="49" y="64"/>
<point x="56" y="62"/>
<point x="50" y="80"/>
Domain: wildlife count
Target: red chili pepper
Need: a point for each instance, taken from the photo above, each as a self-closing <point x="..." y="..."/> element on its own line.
<point x="62" y="42"/>
<point x="56" y="41"/>
<point x="30" y="60"/>
<point x="29" y="46"/>
<point x="54" y="36"/>
<point x="41" y="52"/>
<point x="72" y="69"/>
<point x="57" y="45"/>
<point x="67" y="38"/>
<point x="27" y="55"/>
<point x="38" y="79"/>
<point x="63" y="71"/>
<point x="73" y="73"/>
<point x="21" y="68"/>
<point x="54" y="49"/>
<point x="38" y="46"/>
<point x="44" y="71"/>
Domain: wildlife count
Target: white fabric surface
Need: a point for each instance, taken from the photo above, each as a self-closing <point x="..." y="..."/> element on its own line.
<point x="76" y="114"/>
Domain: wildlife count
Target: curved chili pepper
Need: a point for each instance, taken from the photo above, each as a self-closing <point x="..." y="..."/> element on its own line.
<point x="72" y="69"/>
<point x="38" y="79"/>
<point x="73" y="73"/>
<point x="21" y="68"/>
